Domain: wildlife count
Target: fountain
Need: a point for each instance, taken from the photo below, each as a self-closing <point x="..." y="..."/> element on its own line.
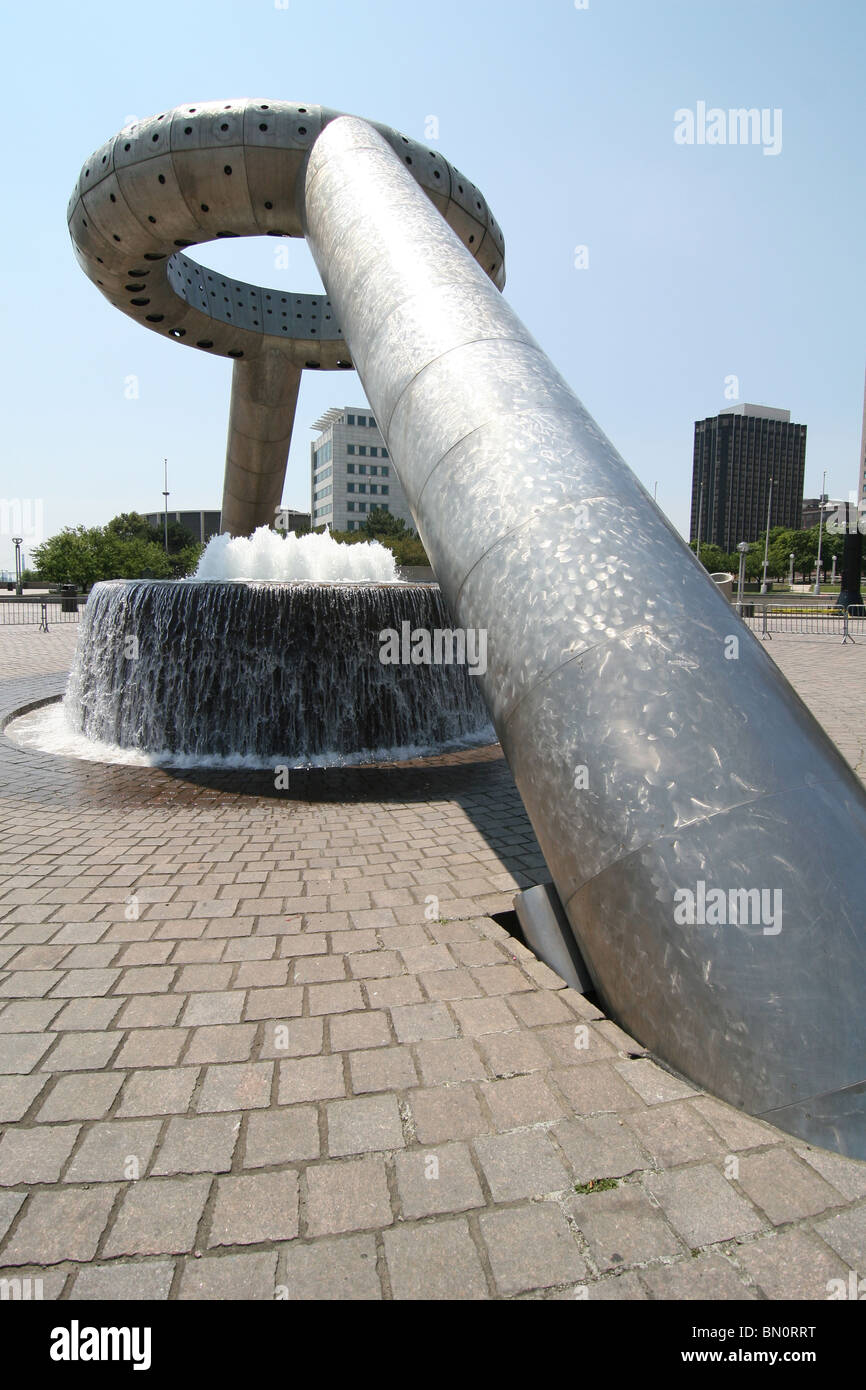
<point x="271" y="653"/>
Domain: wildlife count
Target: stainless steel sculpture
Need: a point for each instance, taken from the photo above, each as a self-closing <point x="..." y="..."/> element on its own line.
<point x="227" y="169"/>
<point x="704" y="834"/>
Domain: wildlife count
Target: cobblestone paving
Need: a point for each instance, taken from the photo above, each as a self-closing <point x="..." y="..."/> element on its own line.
<point x="241" y="1057"/>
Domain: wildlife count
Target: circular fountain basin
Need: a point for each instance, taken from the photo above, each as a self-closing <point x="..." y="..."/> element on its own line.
<point x="289" y="672"/>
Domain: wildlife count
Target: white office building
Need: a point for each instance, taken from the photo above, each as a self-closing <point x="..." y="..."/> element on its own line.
<point x="351" y="472"/>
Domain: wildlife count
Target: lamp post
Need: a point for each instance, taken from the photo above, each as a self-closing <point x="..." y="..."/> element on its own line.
<point x="833" y="572"/>
<point x="18" y="541"/>
<point x="743" y="548"/>
<point x="767" y="539"/>
<point x="165" y="495"/>
<point x="791" y="574"/>
<point x="820" y="531"/>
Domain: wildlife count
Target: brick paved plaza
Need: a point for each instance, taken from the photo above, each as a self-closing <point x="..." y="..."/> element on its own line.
<point x="241" y="1057"/>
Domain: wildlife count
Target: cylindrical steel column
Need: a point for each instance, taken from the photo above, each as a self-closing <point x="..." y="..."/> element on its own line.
<point x="262" y="412"/>
<point x="704" y="834"/>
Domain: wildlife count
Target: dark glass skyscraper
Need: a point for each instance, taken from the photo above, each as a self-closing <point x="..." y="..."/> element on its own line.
<point x="736" y="454"/>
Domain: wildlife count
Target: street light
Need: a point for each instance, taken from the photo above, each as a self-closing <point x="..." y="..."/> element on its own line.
<point x="18" y="541"/>
<point x="767" y="539"/>
<point x="791" y="575"/>
<point x="820" y="531"/>
<point x="743" y="548"/>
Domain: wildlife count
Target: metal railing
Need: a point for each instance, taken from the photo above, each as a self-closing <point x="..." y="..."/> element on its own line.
<point x="41" y="611"/>
<point x="849" y="625"/>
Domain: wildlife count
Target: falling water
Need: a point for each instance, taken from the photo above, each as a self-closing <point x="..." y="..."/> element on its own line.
<point x="288" y="671"/>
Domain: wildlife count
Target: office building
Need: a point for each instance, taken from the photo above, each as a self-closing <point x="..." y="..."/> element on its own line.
<point x="736" y="454"/>
<point x="351" y="472"/>
<point x="202" y="524"/>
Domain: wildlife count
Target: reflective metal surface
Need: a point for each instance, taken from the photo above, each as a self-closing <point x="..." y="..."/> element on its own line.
<point x="705" y="835"/>
<point x="226" y="169"/>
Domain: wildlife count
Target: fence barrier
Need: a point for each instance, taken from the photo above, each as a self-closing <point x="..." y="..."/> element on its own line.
<point x="848" y="625"/>
<point x="41" y="611"/>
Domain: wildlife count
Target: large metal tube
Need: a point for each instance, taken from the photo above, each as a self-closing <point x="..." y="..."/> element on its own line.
<point x="261" y="416"/>
<point x="667" y="766"/>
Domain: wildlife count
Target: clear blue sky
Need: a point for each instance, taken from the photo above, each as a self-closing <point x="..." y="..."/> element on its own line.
<point x="704" y="261"/>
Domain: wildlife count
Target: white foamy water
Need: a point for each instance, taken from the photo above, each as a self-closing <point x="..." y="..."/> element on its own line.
<point x="49" y="730"/>
<point x="316" y="558"/>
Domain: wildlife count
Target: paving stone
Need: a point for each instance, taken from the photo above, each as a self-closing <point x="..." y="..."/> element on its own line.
<point x="622" y="1227"/>
<point x="575" y="1044"/>
<point x="351" y="1195"/>
<point x="310" y="1078"/>
<point x="501" y="979"/>
<point x="332" y="1271"/>
<point x="783" y="1187"/>
<point x="382" y="1069"/>
<point x="510" y="1054"/>
<point x="282" y="1136"/>
<point x="29" y="1015"/>
<point x="792" y="1264"/>
<point x="538" y="1007"/>
<point x="418" y="1022"/>
<point x="449" y="1060"/>
<point x="114" y="1151"/>
<point x="737" y="1131"/>
<point x="434" y="1181"/>
<point x="369" y="1124"/>
<point x="146" y="1280"/>
<point x="20" y="1052"/>
<point x="519" y="1101"/>
<point x="91" y="982"/>
<point x="392" y="993"/>
<point x="702" y="1206"/>
<point x="480" y="952"/>
<point x="652" y="1083"/>
<point x="619" y="1288"/>
<point x="485" y="1015"/>
<point x="449" y="984"/>
<point x="82" y="1052"/>
<point x="308" y="944"/>
<point x="522" y="1164"/>
<point x="374" y="965"/>
<point x="60" y="1225"/>
<point x="314" y="969"/>
<point x="846" y="1234"/>
<point x="157" y="1011"/>
<point x="152" y="1047"/>
<point x="162" y="1091"/>
<point x="198" y="1144"/>
<point x="261" y="973"/>
<point x="600" y="1146"/>
<point x="595" y="1089"/>
<point x="349" y="1032"/>
<point x="705" y="1277"/>
<point x="530" y="1248"/>
<point x="447" y="1112"/>
<point x="80" y="1097"/>
<point x="298" y="1037"/>
<point x="10" y="1204"/>
<point x="35" y="1155"/>
<point x="158" y="1216"/>
<point x="429" y="957"/>
<point x="230" y="1042"/>
<point x="847" y="1175"/>
<point x="17" y="1094"/>
<point x="237" y="1086"/>
<point x="219" y="1006"/>
<point x="434" y="1262"/>
<point x="255" y="1207"/>
<point x="247" y="1277"/>
<point x="335" y="999"/>
<point x="674" y="1134"/>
